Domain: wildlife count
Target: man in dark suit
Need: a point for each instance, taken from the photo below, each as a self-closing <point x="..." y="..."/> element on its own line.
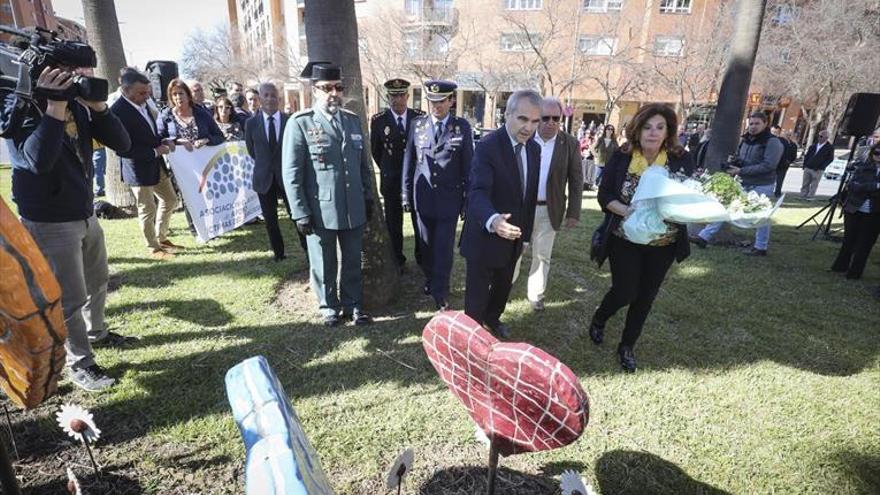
<point x="817" y="157"/>
<point x="501" y="209"/>
<point x="436" y="167"/>
<point x="262" y="135"/>
<point x="143" y="167"/>
<point x="560" y="172"/>
<point x="388" y="131"/>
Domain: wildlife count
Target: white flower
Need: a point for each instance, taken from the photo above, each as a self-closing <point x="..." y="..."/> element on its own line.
<point x="78" y="423"/>
<point x="481" y="437"/>
<point x="400" y="468"/>
<point x="72" y="483"/>
<point x="572" y="484"/>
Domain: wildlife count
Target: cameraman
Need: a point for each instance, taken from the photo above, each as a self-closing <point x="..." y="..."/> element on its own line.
<point x="50" y="143"/>
<point x="755" y="163"/>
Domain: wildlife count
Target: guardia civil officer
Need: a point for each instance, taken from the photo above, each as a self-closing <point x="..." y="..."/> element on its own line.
<point x="388" y="131"/>
<point x="436" y="167"/>
<point x="326" y="171"/>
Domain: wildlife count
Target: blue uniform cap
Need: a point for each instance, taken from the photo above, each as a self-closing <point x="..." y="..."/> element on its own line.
<point x="438" y="89"/>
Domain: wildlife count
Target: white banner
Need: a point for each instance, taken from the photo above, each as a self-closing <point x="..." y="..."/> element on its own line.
<point x="216" y="185"/>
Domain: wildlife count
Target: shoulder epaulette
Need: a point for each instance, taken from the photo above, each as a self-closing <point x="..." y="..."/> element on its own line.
<point x="307" y="111"/>
<point x="377" y="115"/>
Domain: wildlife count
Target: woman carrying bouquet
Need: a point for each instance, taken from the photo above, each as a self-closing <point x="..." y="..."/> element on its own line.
<point x="638" y="270"/>
<point x="861" y="220"/>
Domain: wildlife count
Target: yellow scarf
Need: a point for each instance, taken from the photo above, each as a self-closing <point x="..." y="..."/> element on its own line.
<point x="639" y="163"/>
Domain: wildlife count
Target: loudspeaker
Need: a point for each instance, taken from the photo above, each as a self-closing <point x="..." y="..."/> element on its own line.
<point x="860" y="117"/>
<point x="160" y="73"/>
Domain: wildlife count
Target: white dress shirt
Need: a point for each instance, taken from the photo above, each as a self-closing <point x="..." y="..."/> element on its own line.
<point x="546" y="155"/>
<point x="276" y="120"/>
<point x="402" y="118"/>
<point x="142" y="109"/>
<point x="434" y="121"/>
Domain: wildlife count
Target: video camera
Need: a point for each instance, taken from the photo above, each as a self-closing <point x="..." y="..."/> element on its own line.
<point x="30" y="51"/>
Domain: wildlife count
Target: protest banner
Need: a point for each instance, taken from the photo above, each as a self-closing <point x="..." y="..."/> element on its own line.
<point x="215" y="182"/>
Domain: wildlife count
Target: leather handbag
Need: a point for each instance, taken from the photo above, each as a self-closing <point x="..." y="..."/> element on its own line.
<point x="599" y="242"/>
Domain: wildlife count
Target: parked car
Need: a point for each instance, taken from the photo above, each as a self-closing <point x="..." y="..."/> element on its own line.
<point x="835" y="170"/>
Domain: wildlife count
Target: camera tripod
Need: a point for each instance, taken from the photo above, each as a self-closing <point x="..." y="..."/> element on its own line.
<point x="824" y="225"/>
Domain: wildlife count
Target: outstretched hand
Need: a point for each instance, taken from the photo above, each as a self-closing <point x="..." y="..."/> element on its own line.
<point x="504" y="229"/>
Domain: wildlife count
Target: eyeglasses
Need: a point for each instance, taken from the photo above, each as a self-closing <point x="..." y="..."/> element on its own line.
<point x="339" y="87"/>
<point x="554" y="118"/>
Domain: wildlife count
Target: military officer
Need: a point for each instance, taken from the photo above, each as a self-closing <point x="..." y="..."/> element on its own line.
<point x="326" y="172"/>
<point x="388" y="130"/>
<point x="436" y="166"/>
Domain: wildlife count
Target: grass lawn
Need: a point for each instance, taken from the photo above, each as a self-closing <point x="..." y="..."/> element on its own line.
<point x="756" y="375"/>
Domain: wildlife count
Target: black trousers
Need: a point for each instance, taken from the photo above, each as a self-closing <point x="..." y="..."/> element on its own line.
<point x="390" y="188"/>
<point x="486" y="291"/>
<point x="780" y="178"/>
<point x="859" y="236"/>
<point x="637" y="272"/>
<point x="269" y="205"/>
<point x="436" y="241"/>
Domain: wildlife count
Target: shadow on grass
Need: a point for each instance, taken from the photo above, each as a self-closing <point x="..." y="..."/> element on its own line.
<point x="862" y="470"/>
<point x="469" y="480"/>
<point x="205" y="312"/>
<point x="110" y="482"/>
<point x="624" y="472"/>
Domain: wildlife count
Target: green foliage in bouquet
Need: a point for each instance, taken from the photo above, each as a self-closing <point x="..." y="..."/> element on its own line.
<point x="724" y="188"/>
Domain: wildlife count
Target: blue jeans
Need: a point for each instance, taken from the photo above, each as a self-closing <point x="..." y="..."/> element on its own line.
<point x="762" y="234"/>
<point x="99" y="158"/>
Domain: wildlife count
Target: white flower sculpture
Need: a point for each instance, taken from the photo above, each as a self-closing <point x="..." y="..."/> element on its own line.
<point x="72" y="483"/>
<point x="481" y="437"/>
<point x="78" y="423"/>
<point x="572" y="484"/>
<point x="400" y="468"/>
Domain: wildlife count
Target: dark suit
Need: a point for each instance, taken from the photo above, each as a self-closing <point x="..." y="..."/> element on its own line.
<point x="820" y="160"/>
<point x="435" y="177"/>
<point x="140" y="165"/>
<point x="496" y="187"/>
<point x="387" y="146"/>
<point x="267" y="179"/>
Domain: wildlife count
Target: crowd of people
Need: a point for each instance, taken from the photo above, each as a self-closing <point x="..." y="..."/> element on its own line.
<point x="515" y="189"/>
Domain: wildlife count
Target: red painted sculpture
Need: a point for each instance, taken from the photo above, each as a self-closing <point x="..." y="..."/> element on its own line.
<point x="524" y="399"/>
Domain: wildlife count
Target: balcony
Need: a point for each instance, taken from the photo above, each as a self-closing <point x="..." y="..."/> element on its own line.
<point x="433" y="17"/>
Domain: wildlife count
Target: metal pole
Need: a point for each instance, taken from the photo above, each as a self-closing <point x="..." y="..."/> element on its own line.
<point x="493" y="468"/>
<point x="7" y="473"/>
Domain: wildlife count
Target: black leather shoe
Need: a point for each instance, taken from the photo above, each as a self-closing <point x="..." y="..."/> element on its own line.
<point x="359" y="318"/>
<point x="500" y="330"/>
<point x="331" y="320"/>
<point x="699" y="241"/>
<point x="753" y="251"/>
<point x="597" y="332"/>
<point x="278" y="258"/>
<point x="627" y="358"/>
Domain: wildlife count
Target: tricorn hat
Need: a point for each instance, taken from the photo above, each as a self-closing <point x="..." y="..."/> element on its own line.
<point x="438" y="90"/>
<point x="322" y="71"/>
<point x="396" y="86"/>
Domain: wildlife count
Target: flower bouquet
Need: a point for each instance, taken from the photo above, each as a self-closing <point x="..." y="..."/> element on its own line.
<point x="717" y="197"/>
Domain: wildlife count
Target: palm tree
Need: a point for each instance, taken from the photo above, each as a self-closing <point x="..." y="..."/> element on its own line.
<point x="735" y="84"/>
<point x="332" y="35"/>
<point x="103" y="31"/>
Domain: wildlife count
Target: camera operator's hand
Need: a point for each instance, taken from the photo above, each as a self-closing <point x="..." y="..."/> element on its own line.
<point x="162" y="149"/>
<point x="55" y="81"/>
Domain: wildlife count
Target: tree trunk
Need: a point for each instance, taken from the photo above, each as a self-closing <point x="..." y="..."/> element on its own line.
<point x="103" y="32"/>
<point x="332" y="35"/>
<point x="735" y="84"/>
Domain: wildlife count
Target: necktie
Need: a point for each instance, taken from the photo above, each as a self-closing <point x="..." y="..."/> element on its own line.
<point x="400" y="125"/>
<point x="438" y="131"/>
<point x="273" y="139"/>
<point x="522" y="170"/>
<point x="335" y="125"/>
<point x="149" y="116"/>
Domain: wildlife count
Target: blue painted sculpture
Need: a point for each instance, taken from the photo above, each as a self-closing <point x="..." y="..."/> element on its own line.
<point x="280" y="459"/>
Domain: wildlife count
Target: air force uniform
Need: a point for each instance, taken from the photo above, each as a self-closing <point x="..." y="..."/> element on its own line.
<point x="388" y="133"/>
<point x="326" y="172"/>
<point x="436" y="167"/>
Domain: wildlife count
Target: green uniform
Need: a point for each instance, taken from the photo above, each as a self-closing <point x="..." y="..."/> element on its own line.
<point x="327" y="179"/>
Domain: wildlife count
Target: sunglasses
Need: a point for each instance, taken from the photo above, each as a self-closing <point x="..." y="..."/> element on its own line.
<point x="339" y="87"/>
<point x="554" y="118"/>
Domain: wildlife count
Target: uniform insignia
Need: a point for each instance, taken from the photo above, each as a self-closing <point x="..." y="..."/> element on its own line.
<point x="435" y="88"/>
<point x="387" y="130"/>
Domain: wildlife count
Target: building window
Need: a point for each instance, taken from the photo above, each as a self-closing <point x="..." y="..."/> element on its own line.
<point x="412" y="43"/>
<point x="602" y="5"/>
<point x="668" y="46"/>
<point x="601" y="46"/>
<point x="413" y="7"/>
<point x="518" y="42"/>
<point x="675" y="6"/>
<point x="523" y="4"/>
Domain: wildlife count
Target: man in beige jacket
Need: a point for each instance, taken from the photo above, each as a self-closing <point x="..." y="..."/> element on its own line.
<point x="560" y="172"/>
